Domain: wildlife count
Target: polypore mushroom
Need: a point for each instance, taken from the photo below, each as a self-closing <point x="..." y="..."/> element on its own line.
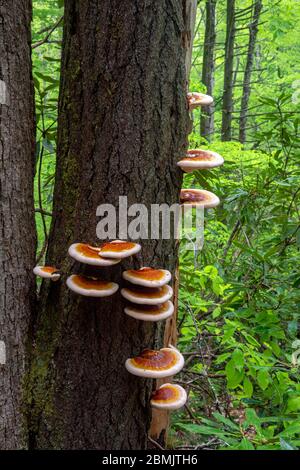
<point x="198" y="197"/>
<point x="156" y="364"/>
<point x="47" y="272"/>
<point x="169" y="397"/>
<point x="90" y="255"/>
<point x="119" y="249"/>
<point x="198" y="99"/>
<point x="90" y="286"/>
<point x="147" y="295"/>
<point x="150" y="312"/>
<point x="147" y="277"/>
<point x="200" y="160"/>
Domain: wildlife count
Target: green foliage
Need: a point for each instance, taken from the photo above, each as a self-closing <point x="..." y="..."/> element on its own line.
<point x="46" y="69"/>
<point x="239" y="297"/>
<point x="275" y="70"/>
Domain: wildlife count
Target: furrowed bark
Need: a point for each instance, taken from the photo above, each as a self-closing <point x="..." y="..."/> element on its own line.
<point x="17" y="228"/>
<point x="123" y="122"/>
<point x="228" y="72"/>
<point x="253" y="30"/>
<point x="208" y="68"/>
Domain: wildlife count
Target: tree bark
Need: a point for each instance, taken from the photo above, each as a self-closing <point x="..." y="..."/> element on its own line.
<point x="123" y="122"/>
<point x="208" y="68"/>
<point x="253" y="30"/>
<point x="189" y="16"/>
<point x="17" y="228"/>
<point x="228" y="72"/>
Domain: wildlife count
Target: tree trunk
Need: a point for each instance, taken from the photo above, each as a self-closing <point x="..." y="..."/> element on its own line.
<point x="228" y="72"/>
<point x="208" y="68"/>
<point x="123" y="122"/>
<point x="253" y="30"/>
<point x="17" y="229"/>
<point x="189" y="15"/>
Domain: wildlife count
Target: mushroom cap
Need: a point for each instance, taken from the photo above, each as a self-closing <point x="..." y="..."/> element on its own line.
<point x="146" y="295"/>
<point x="169" y="397"/>
<point x="90" y="286"/>
<point x="198" y="99"/>
<point x="198" y="197"/>
<point x="150" y="312"/>
<point x="147" y="277"/>
<point x="90" y="255"/>
<point x="200" y="160"/>
<point x="156" y="364"/>
<point x="119" y="249"/>
<point x="47" y="272"/>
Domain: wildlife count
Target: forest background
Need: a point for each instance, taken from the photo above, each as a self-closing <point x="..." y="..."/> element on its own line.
<point x="239" y="296"/>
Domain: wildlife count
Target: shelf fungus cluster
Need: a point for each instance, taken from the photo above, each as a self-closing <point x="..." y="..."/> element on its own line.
<point x="158" y="364"/>
<point x="148" y="298"/>
<point x="108" y="254"/>
<point x="198" y="159"/>
<point x="148" y="294"/>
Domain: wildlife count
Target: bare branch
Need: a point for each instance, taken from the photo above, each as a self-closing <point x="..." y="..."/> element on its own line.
<point x="45" y="40"/>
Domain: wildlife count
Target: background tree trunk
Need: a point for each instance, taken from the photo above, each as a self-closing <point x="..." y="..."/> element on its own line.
<point x="123" y="122"/>
<point x="17" y="228"/>
<point x="189" y="16"/>
<point x="228" y="72"/>
<point x="253" y="30"/>
<point x="208" y="68"/>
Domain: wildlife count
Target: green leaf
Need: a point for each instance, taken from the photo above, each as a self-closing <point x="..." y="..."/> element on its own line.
<point x="199" y="429"/>
<point x="217" y="312"/>
<point x="234" y="375"/>
<point x="291" y="430"/>
<point x="252" y="419"/>
<point x="263" y="379"/>
<point x="238" y="358"/>
<point x="246" y="445"/>
<point x="248" y="387"/>
<point x="47" y="78"/>
<point x="226" y="421"/>
<point x="286" y="445"/>
<point x="293" y="404"/>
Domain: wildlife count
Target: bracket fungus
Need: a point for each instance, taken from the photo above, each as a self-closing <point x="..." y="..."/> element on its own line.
<point x="169" y="397"/>
<point x="119" y="249"/>
<point x="90" y="255"/>
<point x="148" y="277"/>
<point x="90" y="286"/>
<point x="198" y="197"/>
<point x="156" y="364"/>
<point x="146" y="295"/>
<point x="150" y="312"/>
<point x="198" y="99"/>
<point x="47" y="272"/>
<point x="200" y="160"/>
